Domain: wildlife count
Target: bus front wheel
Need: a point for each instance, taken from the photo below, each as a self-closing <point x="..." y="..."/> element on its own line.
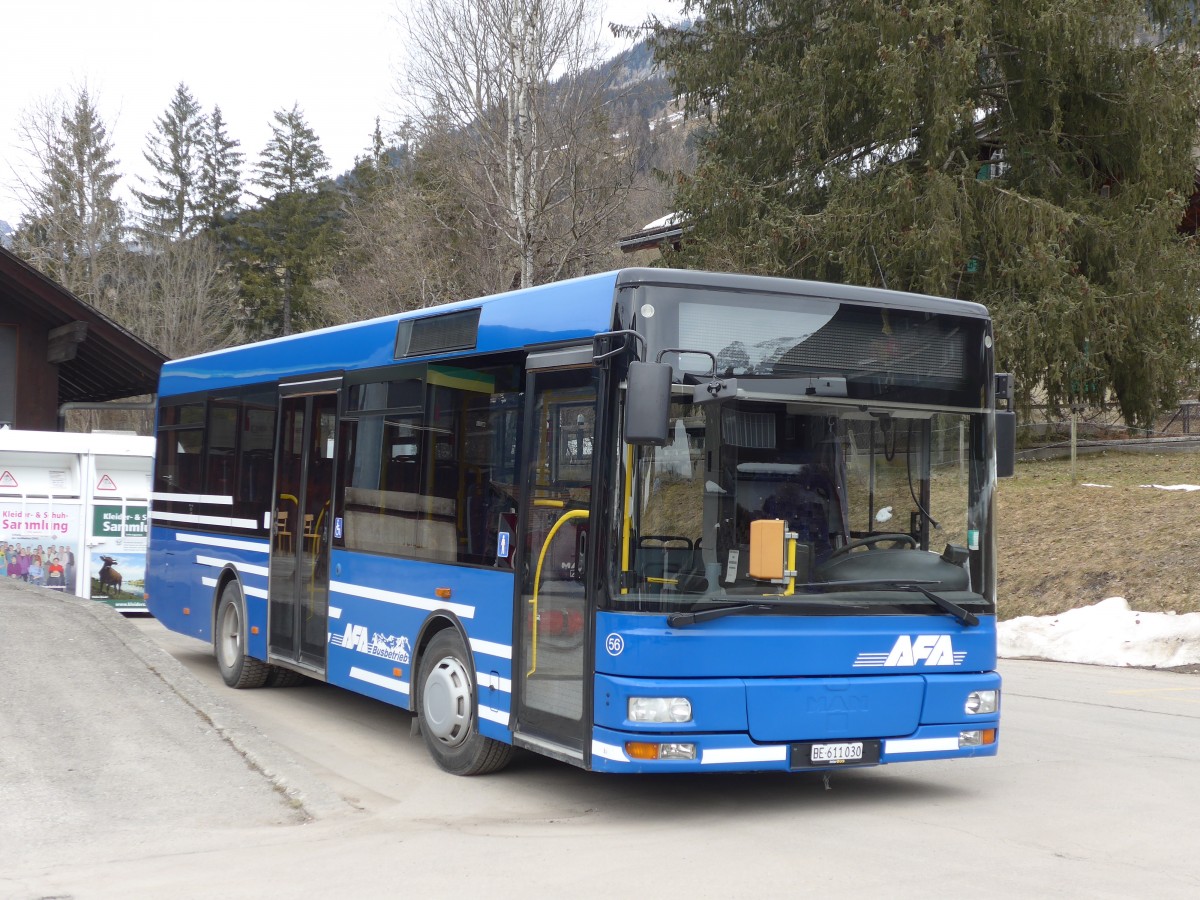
<point x="446" y="710"/>
<point x="229" y="640"/>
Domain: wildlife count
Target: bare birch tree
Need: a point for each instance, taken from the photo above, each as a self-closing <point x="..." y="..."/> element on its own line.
<point x="509" y="109"/>
<point x="180" y="298"/>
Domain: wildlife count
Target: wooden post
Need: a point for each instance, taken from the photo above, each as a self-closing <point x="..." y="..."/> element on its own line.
<point x="1074" y="416"/>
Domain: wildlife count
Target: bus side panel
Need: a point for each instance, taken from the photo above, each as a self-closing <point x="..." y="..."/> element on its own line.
<point x="377" y="608"/>
<point x="182" y="571"/>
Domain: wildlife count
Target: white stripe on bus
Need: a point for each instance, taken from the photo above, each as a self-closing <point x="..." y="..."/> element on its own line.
<point x="921" y="745"/>
<point x="228" y="543"/>
<point x="495" y="682"/>
<point x="219" y="563"/>
<point x="194" y="498"/>
<point x="723" y="755"/>
<point x="410" y="600"/>
<point x="335" y="612"/>
<point x="491" y="648"/>
<point x="157" y="516"/>
<point x="246" y="589"/>
<point x="609" y="751"/>
<point x="383" y="681"/>
<point x="498" y="716"/>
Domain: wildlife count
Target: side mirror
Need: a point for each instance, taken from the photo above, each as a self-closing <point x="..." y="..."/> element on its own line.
<point x="648" y="403"/>
<point x="1006" y="443"/>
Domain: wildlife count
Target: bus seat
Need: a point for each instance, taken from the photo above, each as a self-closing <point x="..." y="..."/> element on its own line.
<point x="659" y="559"/>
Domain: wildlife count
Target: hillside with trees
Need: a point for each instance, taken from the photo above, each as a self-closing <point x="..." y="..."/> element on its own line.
<point x="526" y="155"/>
<point x="1038" y="157"/>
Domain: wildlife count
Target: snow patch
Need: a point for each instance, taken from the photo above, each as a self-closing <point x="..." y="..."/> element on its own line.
<point x="1107" y="633"/>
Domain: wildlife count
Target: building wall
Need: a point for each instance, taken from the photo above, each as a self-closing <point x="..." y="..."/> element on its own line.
<point x="31" y="393"/>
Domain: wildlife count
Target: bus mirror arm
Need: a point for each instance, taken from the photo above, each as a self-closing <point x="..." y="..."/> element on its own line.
<point x="715" y="389"/>
<point x="602" y="349"/>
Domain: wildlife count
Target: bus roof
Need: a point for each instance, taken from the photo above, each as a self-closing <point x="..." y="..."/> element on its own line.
<point x="563" y="311"/>
<point x="545" y="314"/>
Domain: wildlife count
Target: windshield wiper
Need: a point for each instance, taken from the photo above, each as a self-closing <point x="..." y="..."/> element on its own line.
<point x="968" y="618"/>
<point x="965" y="616"/>
<point x="675" y="620"/>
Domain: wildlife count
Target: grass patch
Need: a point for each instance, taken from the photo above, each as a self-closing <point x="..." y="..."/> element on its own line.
<point x="1062" y="546"/>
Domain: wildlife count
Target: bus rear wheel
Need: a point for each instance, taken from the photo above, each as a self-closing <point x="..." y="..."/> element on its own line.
<point x="229" y="640"/>
<point x="446" y="710"/>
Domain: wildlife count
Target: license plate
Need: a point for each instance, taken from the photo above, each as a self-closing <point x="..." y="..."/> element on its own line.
<point x="836" y="752"/>
<point x="827" y="754"/>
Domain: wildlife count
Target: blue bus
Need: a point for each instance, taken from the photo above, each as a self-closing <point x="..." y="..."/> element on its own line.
<point x="650" y="520"/>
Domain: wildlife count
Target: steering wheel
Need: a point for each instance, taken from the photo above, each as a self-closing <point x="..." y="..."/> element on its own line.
<point x="872" y="540"/>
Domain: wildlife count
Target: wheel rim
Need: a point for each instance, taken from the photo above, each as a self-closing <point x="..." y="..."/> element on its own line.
<point x="231" y="634"/>
<point x="446" y="702"/>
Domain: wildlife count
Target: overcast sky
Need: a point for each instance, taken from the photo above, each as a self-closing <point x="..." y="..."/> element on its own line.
<point x="250" y="57"/>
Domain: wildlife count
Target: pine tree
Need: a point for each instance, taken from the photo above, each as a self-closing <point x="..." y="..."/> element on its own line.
<point x="1033" y="155"/>
<point x="293" y="159"/>
<point x="74" y="228"/>
<point x="287" y="242"/>
<point x="220" y="186"/>
<point x="171" y="209"/>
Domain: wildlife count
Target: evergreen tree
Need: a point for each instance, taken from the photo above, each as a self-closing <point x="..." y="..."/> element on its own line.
<point x="74" y="227"/>
<point x="293" y="159"/>
<point x="287" y="243"/>
<point x="220" y="191"/>
<point x="1033" y="155"/>
<point x="171" y="203"/>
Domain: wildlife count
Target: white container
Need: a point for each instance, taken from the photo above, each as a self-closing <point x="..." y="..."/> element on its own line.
<point x="85" y="500"/>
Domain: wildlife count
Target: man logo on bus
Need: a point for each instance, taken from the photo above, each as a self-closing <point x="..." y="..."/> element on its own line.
<point x="929" y="649"/>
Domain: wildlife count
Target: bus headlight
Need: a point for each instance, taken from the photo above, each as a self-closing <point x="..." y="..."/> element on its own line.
<point x="980" y="702"/>
<point x="660" y="709"/>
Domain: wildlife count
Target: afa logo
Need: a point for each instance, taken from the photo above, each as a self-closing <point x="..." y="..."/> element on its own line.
<point x="921" y="649"/>
<point x="387" y="646"/>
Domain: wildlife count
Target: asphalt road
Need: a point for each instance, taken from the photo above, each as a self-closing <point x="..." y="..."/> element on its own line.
<point x="212" y="792"/>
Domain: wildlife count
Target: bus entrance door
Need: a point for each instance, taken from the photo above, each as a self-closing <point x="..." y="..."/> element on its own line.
<point x="297" y="623"/>
<point x="554" y="608"/>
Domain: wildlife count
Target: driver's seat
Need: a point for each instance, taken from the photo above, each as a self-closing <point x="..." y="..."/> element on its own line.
<point x="807" y="514"/>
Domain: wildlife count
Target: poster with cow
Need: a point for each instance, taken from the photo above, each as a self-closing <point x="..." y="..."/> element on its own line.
<point x="117" y="553"/>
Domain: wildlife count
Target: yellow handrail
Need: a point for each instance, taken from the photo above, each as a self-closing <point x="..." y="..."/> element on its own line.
<point x="537" y="580"/>
<point x="627" y="517"/>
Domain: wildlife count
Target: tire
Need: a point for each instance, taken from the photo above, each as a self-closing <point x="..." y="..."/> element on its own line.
<point x="278" y="676"/>
<point x="447" y="713"/>
<point x="229" y="641"/>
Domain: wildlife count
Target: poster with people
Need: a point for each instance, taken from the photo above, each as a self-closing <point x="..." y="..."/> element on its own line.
<point x="37" y="541"/>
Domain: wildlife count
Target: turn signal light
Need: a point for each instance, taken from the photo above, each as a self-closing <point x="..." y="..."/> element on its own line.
<point x="977" y="738"/>
<point x="639" y="750"/>
<point x="443" y="593"/>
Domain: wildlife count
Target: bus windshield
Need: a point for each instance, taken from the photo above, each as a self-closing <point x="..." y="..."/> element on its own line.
<point x="864" y="494"/>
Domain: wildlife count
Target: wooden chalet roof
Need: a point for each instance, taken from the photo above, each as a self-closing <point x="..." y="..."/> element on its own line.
<point x="98" y="360"/>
